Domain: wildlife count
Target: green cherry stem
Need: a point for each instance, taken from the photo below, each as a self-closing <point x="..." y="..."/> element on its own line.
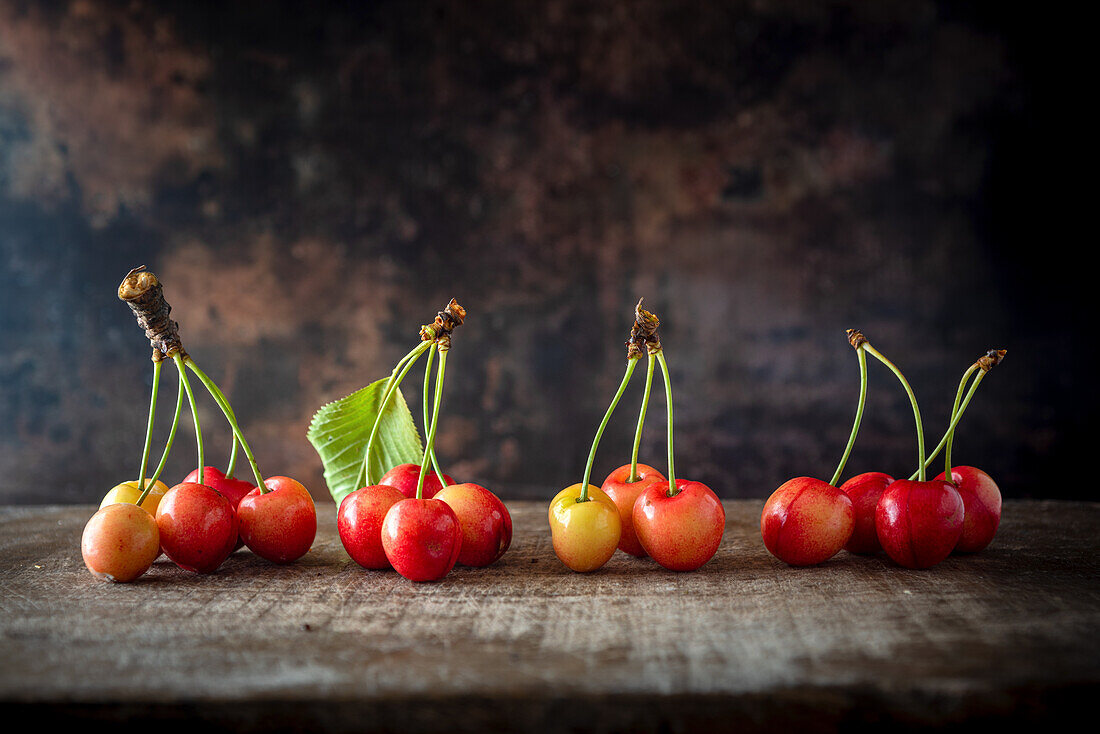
<point x="859" y="414"/>
<point x="149" y="429"/>
<point x="168" y="445"/>
<point x="641" y="420"/>
<point x="223" y="403"/>
<point x="630" y="365"/>
<point x="194" y="410"/>
<point x="231" y="467"/>
<point x="430" y="441"/>
<point x="673" y="490"/>
<point x="363" y="478"/>
<point x="912" y="399"/>
<point x="427" y="396"/>
<point x="957" y="415"/>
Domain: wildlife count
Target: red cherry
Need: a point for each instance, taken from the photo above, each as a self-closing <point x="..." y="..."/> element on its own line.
<point x="806" y="521"/>
<point x="485" y="522"/>
<point x="279" y="525"/>
<point x="865" y="490"/>
<point x="982" y="507"/>
<point x="359" y="521"/>
<point x="681" y="532"/>
<point x="422" y="538"/>
<point x="405" y="476"/>
<point x="198" y="528"/>
<point x="232" y="489"/>
<point x="625" y="494"/>
<point x="919" y="523"/>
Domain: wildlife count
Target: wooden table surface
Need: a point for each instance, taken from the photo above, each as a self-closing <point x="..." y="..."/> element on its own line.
<point x="1010" y="635"/>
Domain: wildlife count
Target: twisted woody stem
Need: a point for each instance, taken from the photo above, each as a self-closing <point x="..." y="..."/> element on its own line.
<point x="857" y="340"/>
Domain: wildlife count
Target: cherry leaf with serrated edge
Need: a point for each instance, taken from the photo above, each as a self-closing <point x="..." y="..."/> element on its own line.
<point x="340" y="429"/>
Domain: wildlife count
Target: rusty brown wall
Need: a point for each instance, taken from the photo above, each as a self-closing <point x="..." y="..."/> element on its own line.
<point x="312" y="184"/>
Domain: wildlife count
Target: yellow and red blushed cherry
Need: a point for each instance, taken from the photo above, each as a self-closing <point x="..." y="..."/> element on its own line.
<point x="624" y="493"/>
<point x="806" y="521"/>
<point x="865" y="490"/>
<point x="198" y="527"/>
<point x="280" y="524"/>
<point x="120" y="542"/>
<point x="485" y="521"/>
<point x="128" y="492"/>
<point x="422" y="538"/>
<point x="359" y="521"/>
<point x="919" y="523"/>
<point x="680" y="531"/>
<point x="405" y="476"/>
<point x="981" y="507"/>
<point x="585" y="534"/>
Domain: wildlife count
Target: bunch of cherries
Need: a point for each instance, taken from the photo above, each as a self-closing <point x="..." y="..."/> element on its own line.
<point x="198" y="522"/>
<point x="416" y="521"/>
<point x="917" y="522"/>
<point x="677" y="522"/>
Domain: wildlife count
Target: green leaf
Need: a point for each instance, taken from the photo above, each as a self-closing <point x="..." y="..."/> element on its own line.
<point x="340" y="429"/>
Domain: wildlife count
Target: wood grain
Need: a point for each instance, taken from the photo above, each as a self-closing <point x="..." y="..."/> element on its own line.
<point x="744" y="643"/>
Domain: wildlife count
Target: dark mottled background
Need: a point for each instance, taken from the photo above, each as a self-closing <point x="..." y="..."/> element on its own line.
<point x="313" y="184"/>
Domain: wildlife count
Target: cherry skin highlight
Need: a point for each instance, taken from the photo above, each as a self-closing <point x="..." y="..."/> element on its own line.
<point x="198" y="527"/>
<point x="405" y="476"/>
<point x="485" y="521"/>
<point x="279" y="525"/>
<point x="422" y="538"/>
<point x="981" y="507"/>
<point x="919" y="523"/>
<point x="865" y="490"/>
<point x="681" y="532"/>
<point x="624" y="494"/>
<point x="806" y="521"/>
<point x="120" y="542"/>
<point x="585" y="534"/>
<point x="359" y="521"/>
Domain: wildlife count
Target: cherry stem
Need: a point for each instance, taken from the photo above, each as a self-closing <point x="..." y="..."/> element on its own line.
<point x="641" y="421"/>
<point x="168" y="445"/>
<point x="149" y="429"/>
<point x="194" y="411"/>
<point x="427" y="394"/>
<point x="219" y="398"/>
<point x="231" y="467"/>
<point x="630" y="365"/>
<point x="956" y="417"/>
<point x="912" y="399"/>
<point x="430" y="442"/>
<point x="859" y="414"/>
<point x="394" y="381"/>
<point x="673" y="490"/>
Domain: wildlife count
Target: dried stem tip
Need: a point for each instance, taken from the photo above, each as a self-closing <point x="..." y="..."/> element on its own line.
<point x="643" y="332"/>
<point x="856" y="338"/>
<point x="144" y="294"/>
<point x="991" y="359"/>
<point x="445" y="322"/>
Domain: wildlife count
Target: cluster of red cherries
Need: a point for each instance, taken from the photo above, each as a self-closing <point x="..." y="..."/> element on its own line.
<point x="917" y="522"/>
<point x="679" y="523"/>
<point x="411" y="520"/>
<point x="199" y="522"/>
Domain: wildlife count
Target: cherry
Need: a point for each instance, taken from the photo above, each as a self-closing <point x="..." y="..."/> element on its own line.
<point x="279" y="524"/>
<point x="680" y="531"/>
<point x="198" y="527"/>
<point x="919" y="523"/>
<point x="806" y="521"/>
<point x="128" y="492"/>
<point x="405" y="477"/>
<point x="422" y="538"/>
<point x="865" y="490"/>
<point x="981" y="507"/>
<point x="624" y="494"/>
<point x="586" y="532"/>
<point x="120" y="542"/>
<point x="359" y="521"/>
<point x="231" y="488"/>
<point x="485" y="522"/>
